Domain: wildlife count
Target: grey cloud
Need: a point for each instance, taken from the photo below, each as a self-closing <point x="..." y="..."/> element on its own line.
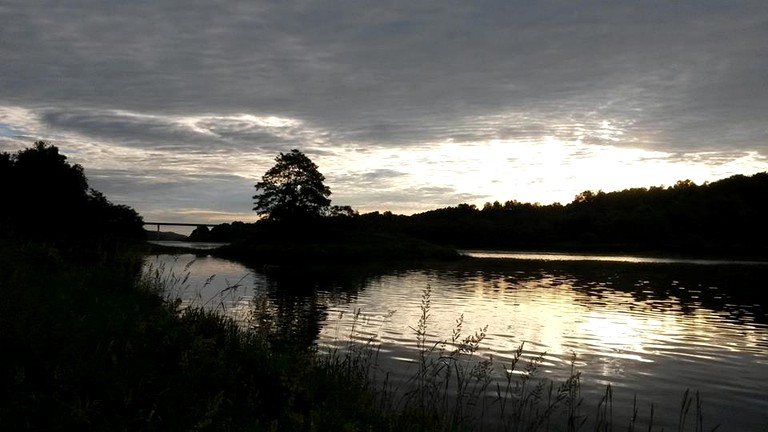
<point x="141" y="131"/>
<point x="369" y="182"/>
<point x="382" y="174"/>
<point x="152" y="131"/>
<point x="710" y="158"/>
<point x="154" y="189"/>
<point x="242" y="132"/>
<point x="401" y="73"/>
<point x="369" y="178"/>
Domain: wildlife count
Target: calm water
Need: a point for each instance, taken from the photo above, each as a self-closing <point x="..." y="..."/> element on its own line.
<point x="648" y="328"/>
<point x="188" y="244"/>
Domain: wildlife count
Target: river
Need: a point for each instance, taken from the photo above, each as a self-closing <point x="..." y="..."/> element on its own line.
<point x="651" y="328"/>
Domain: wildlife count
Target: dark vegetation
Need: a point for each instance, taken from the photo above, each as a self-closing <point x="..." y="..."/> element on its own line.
<point x="725" y="218"/>
<point x="90" y="347"/>
<point x="292" y="190"/>
<point x="172" y="236"/>
<point x="331" y="240"/>
<point x="88" y="343"/>
<point x="301" y="226"/>
<point x="45" y="199"/>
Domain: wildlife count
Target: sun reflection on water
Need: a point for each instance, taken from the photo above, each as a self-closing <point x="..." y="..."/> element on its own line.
<point x="654" y="330"/>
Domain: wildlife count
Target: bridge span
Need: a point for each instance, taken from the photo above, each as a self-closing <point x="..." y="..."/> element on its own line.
<point x="185" y="224"/>
<point x="159" y="224"/>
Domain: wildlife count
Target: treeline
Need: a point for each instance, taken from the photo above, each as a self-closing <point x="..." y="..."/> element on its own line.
<point x="46" y="199"/>
<point x="724" y="218"/>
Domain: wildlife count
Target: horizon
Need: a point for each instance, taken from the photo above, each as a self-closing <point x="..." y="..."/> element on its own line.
<point x="188" y="227"/>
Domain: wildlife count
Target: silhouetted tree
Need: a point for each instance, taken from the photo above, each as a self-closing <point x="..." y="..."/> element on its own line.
<point x="105" y="218"/>
<point x="48" y="199"/>
<point x="6" y="182"/>
<point x="200" y="233"/>
<point x="292" y="190"/>
<point x="45" y="192"/>
<point x="342" y="211"/>
<point x="227" y="232"/>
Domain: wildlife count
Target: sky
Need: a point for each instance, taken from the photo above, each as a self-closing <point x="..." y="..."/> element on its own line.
<point x="178" y="107"/>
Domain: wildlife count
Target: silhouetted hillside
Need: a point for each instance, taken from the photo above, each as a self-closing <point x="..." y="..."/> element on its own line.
<point x="726" y="217"/>
<point x="165" y="236"/>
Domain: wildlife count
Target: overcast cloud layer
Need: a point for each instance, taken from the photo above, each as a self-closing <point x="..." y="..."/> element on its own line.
<point x="178" y="107"/>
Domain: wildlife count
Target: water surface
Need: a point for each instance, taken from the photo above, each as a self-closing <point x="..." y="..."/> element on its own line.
<point x="188" y="244"/>
<point x="647" y="328"/>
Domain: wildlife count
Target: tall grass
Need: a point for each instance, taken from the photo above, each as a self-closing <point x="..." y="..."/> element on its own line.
<point x="454" y="388"/>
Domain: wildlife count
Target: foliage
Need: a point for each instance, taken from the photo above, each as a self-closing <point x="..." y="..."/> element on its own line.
<point x="328" y="240"/>
<point x="200" y="233"/>
<point x="292" y="190"/>
<point x="45" y="198"/>
<point x="719" y="218"/>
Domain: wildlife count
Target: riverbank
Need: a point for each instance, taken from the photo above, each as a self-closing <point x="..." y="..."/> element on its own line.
<point x="97" y="347"/>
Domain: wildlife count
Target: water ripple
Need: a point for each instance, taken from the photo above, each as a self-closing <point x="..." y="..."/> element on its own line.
<point x="647" y="328"/>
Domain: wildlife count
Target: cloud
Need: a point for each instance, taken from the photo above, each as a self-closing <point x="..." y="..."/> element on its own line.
<point x="400" y="74"/>
<point x="183" y="133"/>
<point x="149" y="92"/>
<point x="130" y="129"/>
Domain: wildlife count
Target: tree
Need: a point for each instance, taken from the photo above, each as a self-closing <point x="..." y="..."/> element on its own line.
<point x="292" y="190"/>
<point x="44" y="197"/>
<point x="44" y="192"/>
<point x="200" y="233"/>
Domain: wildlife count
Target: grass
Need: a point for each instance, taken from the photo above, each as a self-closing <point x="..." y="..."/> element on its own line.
<point x="87" y="347"/>
<point x="96" y="347"/>
<point x="453" y="385"/>
<point x="454" y="388"/>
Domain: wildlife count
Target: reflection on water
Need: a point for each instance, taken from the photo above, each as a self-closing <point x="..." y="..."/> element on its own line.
<point x="555" y="256"/>
<point x="651" y="329"/>
<point x="188" y="244"/>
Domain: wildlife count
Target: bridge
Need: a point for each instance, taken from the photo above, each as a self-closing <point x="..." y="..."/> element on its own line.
<point x="186" y="224"/>
<point x="159" y="224"/>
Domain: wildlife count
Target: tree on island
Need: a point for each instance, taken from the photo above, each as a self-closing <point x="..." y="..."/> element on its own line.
<point x="201" y="234"/>
<point x="292" y="190"/>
